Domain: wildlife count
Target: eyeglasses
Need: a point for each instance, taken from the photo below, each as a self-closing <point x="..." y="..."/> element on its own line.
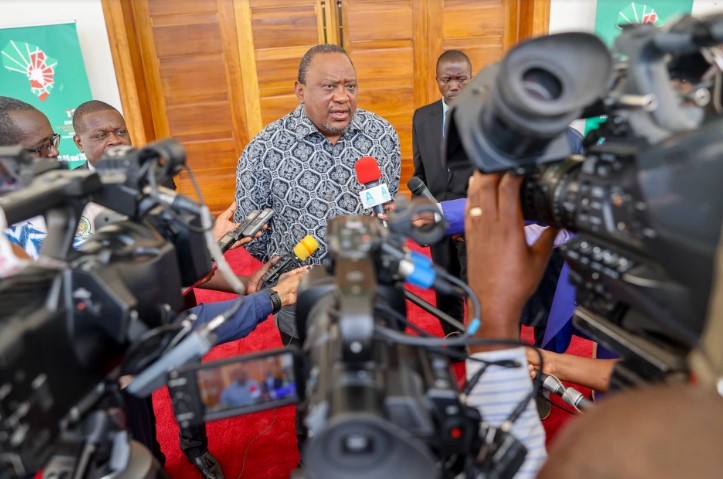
<point x="45" y="148"/>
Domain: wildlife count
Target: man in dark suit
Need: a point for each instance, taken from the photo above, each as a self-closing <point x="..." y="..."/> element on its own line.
<point x="454" y="70"/>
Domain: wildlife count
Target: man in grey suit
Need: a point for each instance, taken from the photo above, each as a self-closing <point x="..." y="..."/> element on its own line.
<point x="454" y="70"/>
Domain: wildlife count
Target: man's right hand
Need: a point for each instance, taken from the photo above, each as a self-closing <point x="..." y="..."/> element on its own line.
<point x="288" y="285"/>
<point x="254" y="283"/>
<point x="502" y="269"/>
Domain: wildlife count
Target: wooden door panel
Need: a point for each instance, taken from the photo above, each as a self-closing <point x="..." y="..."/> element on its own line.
<point x="274" y="107"/>
<point x="285" y="27"/>
<point x="182" y="80"/>
<point x="193" y="72"/>
<point x="379" y="36"/>
<point x="175" y="7"/>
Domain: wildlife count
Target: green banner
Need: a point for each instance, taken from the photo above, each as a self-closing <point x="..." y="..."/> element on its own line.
<point x="43" y="66"/>
<point x="611" y="14"/>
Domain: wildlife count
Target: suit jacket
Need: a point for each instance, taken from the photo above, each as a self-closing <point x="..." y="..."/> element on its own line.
<point x="427" y="147"/>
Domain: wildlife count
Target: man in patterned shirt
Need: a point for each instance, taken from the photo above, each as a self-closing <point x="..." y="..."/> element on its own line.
<point x="302" y="165"/>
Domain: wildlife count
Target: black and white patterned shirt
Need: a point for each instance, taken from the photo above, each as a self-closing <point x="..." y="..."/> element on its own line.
<point x="291" y="167"/>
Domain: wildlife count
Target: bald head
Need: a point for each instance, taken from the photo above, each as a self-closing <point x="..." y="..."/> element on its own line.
<point x="662" y="432"/>
<point x="23" y="124"/>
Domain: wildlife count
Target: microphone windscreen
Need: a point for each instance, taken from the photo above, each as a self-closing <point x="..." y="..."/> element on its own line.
<point x="415" y="185"/>
<point x="306" y="247"/>
<point x="367" y="170"/>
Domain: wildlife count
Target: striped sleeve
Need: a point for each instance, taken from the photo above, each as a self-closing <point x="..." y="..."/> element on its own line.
<point x="496" y="395"/>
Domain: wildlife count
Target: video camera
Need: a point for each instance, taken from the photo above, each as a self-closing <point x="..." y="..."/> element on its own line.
<point x="70" y="320"/>
<point x="644" y="199"/>
<point x="374" y="401"/>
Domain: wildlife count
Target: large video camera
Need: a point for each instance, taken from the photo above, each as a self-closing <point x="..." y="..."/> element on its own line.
<point x="379" y="401"/>
<point x="644" y="199"/>
<point x="70" y="318"/>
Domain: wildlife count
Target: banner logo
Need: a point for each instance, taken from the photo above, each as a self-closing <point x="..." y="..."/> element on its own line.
<point x="31" y="61"/>
<point x="638" y="13"/>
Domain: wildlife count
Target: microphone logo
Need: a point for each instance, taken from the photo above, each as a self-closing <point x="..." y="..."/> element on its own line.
<point x="368" y="174"/>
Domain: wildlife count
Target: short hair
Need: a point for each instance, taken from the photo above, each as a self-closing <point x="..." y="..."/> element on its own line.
<point x="453" y="56"/>
<point x="312" y="52"/>
<point x="90" y="106"/>
<point x="10" y="134"/>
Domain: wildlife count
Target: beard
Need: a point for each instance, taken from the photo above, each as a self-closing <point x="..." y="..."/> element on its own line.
<point x="333" y="130"/>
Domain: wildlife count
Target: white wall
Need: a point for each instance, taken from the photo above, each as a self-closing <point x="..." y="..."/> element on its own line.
<point x="88" y="15"/>
<point x="568" y="15"/>
<point x="572" y="15"/>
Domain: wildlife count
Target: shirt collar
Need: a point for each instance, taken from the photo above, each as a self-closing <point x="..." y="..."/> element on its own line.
<point x="304" y="127"/>
<point x="445" y="107"/>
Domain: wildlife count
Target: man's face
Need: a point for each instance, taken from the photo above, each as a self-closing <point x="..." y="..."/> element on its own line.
<point x="99" y="130"/>
<point x="329" y="95"/>
<point x="452" y="76"/>
<point x="36" y="131"/>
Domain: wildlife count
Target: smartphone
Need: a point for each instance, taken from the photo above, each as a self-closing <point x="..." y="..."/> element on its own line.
<point x="231" y="237"/>
<point x="258" y="222"/>
<point x="235" y="386"/>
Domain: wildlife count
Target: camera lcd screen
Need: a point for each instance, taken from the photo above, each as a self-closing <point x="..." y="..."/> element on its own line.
<point x="247" y="384"/>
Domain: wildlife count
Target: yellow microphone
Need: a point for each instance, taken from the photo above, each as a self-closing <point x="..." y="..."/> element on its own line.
<point x="300" y="253"/>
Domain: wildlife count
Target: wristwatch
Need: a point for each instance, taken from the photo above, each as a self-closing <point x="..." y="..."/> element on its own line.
<point x="275" y="300"/>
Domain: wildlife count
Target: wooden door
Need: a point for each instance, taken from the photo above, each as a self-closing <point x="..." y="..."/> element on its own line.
<point x="214" y="72"/>
<point x="273" y="36"/>
<point x="183" y="57"/>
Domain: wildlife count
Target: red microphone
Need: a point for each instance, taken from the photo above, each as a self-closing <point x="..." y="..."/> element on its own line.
<point x="375" y="193"/>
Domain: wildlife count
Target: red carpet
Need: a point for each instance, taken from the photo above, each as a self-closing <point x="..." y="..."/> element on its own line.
<point x="263" y="445"/>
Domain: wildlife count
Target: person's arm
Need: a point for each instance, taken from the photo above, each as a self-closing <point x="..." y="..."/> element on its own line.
<point x="503" y="271"/>
<point x="592" y="373"/>
<point x="253" y="192"/>
<point x="254" y="309"/>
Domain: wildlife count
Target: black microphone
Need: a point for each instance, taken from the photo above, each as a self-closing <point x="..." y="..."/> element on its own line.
<point x="571" y="396"/>
<point x="289" y="261"/>
<point x="175" y="200"/>
<point x="418" y="188"/>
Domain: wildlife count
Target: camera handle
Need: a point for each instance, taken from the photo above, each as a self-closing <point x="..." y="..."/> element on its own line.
<point x="101" y="447"/>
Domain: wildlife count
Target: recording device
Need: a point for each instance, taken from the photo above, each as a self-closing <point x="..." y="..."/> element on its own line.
<point x="257" y="223"/>
<point x="68" y="319"/>
<point x="645" y="203"/>
<point x="375" y="193"/>
<point x="251" y="225"/>
<point x="298" y="256"/>
<point x="231" y="237"/>
<point x="240" y="385"/>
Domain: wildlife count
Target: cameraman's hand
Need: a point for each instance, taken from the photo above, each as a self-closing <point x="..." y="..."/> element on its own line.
<point x="289" y="284"/>
<point x="502" y="269"/>
<point x="254" y="283"/>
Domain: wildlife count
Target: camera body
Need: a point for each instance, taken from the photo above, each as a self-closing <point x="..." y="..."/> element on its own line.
<point x="68" y="319"/>
<point x="643" y="199"/>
